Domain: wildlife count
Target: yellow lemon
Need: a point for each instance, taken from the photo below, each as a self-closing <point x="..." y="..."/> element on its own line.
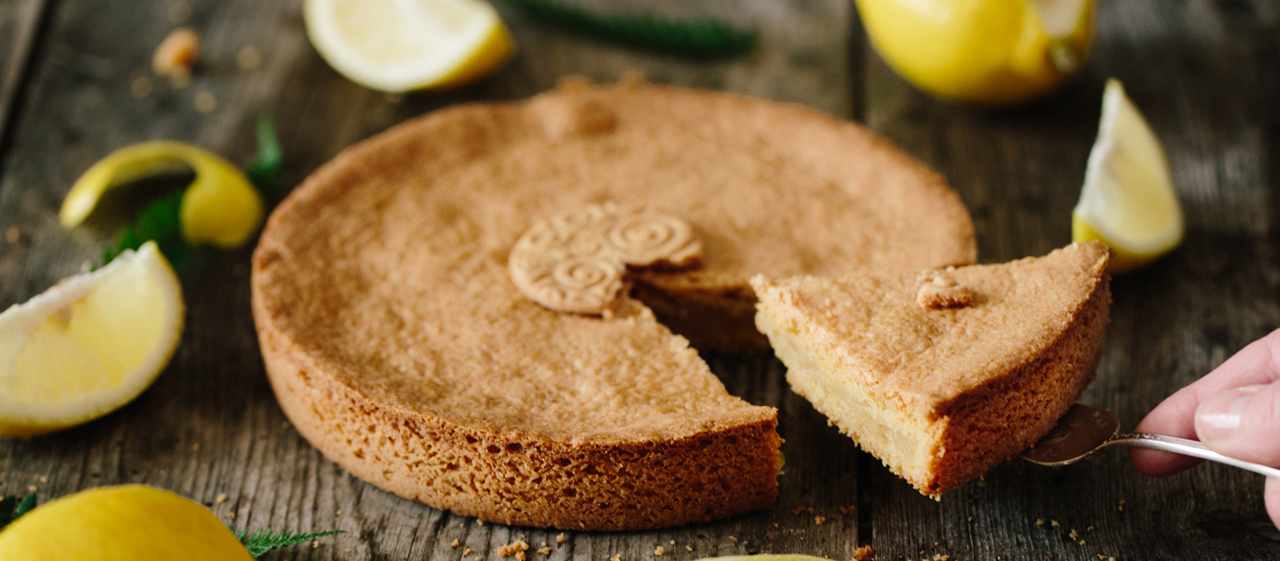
<point x="123" y="523"/>
<point x="89" y="344"/>
<point x="220" y="207"/>
<point x="402" y="45"/>
<point x="1128" y="200"/>
<point x="995" y="52"/>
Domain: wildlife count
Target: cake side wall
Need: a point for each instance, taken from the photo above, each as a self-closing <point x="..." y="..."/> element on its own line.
<point x="1000" y="419"/>
<point x="527" y="481"/>
<point x="900" y="442"/>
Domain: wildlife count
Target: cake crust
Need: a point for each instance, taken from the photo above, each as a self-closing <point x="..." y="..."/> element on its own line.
<point x="942" y="391"/>
<point x="397" y="344"/>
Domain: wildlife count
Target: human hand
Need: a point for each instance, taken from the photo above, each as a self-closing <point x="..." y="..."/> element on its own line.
<point x="1234" y="410"/>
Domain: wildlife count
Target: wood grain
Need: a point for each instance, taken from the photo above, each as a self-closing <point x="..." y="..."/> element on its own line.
<point x="1195" y="70"/>
<point x="19" y="25"/>
<point x="210" y="428"/>
<point x="1203" y="71"/>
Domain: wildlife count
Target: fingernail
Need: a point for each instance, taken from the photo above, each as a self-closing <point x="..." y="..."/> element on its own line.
<point x="1218" y="417"/>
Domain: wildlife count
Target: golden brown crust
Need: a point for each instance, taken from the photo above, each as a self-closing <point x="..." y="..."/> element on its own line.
<point x="955" y="390"/>
<point x="381" y="293"/>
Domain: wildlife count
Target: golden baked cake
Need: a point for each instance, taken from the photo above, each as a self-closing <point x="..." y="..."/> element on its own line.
<point x="398" y="344"/>
<point x="944" y="373"/>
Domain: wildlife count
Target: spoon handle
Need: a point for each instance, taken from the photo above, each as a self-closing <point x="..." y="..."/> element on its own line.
<point x="1186" y="448"/>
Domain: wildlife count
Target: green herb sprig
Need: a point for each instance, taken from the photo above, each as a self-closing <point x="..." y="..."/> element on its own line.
<point x="161" y="219"/>
<point x="701" y="38"/>
<point x="11" y="508"/>
<point x="263" y="541"/>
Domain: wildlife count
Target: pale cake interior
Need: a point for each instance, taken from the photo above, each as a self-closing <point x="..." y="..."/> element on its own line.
<point x="397" y="344"/>
<point x="942" y="395"/>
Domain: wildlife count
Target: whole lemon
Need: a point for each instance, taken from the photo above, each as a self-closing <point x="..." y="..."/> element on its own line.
<point x="991" y="52"/>
<point x="122" y="523"/>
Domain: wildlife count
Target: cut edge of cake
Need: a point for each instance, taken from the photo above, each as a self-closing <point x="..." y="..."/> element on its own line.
<point x="937" y="444"/>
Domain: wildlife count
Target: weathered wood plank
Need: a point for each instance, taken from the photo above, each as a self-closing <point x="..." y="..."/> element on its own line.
<point x="210" y="427"/>
<point x="19" y="25"/>
<point x="1196" y="69"/>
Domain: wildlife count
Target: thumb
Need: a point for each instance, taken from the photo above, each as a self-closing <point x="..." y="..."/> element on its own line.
<point x="1243" y="423"/>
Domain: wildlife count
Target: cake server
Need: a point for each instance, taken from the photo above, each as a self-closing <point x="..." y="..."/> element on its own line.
<point x="1085" y="430"/>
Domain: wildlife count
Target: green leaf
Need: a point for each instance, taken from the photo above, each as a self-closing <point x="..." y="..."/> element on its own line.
<point x="160" y="221"/>
<point x="264" y="170"/>
<point x="263" y="541"/>
<point x="704" y="38"/>
<point x="11" y="508"/>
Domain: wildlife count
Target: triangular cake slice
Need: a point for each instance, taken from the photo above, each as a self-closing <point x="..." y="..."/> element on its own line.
<point x="944" y="373"/>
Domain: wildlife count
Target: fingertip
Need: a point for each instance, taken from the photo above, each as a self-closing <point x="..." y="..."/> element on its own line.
<point x="1158" y="463"/>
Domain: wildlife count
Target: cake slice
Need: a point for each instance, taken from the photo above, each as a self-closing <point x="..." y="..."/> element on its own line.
<point x="944" y="373"/>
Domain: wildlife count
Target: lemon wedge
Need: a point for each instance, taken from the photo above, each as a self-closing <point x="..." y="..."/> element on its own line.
<point x="220" y="207"/>
<point x="89" y="344"/>
<point x="1128" y="200"/>
<point x="121" y="523"/>
<point x="402" y="45"/>
<point x="995" y="52"/>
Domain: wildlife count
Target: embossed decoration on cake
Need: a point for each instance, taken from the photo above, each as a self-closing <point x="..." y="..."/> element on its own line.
<point x="940" y="291"/>
<point x="576" y="261"/>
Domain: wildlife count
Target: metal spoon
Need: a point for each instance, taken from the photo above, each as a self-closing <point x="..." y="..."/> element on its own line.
<point x="1084" y="430"/>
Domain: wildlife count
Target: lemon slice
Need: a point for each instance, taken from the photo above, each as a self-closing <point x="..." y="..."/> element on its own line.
<point x="88" y="345"/>
<point x="994" y="52"/>
<point x="122" y="523"/>
<point x="401" y="45"/>
<point x="220" y="207"/>
<point x="1128" y="200"/>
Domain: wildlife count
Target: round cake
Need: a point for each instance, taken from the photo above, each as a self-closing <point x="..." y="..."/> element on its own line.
<point x="398" y="345"/>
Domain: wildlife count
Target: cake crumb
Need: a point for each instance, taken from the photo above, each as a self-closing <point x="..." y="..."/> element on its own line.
<point x="195" y="447"/>
<point x="1074" y="534"/>
<point x="733" y="539"/>
<point x="1053" y="523"/>
<point x="688" y="547"/>
<point x="205" y="101"/>
<point x="851" y="509"/>
<point x="13" y="234"/>
<point x="479" y="522"/>
<point x="456" y="543"/>
<point x="863" y="553"/>
<point x="514" y="549"/>
<point x="44" y="479"/>
<point x="466" y="551"/>
<point x="616" y="557"/>
<point x="659" y="551"/>
<point x="177" y="53"/>
<point x="560" y="538"/>
<point x="672" y="542"/>
<point x="819" y="520"/>
<point x="230" y="515"/>
<point x="941" y="557"/>
<point x="1121" y="505"/>
<point x="221" y="498"/>
<point x="544" y="549"/>
<point x="32" y="488"/>
<point x="801" y="510"/>
<point x="1039" y="522"/>
<point x="249" y="58"/>
<point x="942" y="292"/>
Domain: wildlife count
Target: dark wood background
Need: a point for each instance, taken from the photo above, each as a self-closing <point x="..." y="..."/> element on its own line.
<point x="1205" y="72"/>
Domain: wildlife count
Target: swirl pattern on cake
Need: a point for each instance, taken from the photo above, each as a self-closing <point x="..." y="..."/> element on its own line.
<point x="576" y="261"/>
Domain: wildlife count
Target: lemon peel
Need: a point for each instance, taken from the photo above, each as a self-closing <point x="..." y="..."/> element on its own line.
<point x="994" y="52"/>
<point x="89" y="344"/>
<point x="402" y="45"/>
<point x="220" y="206"/>
<point x="1128" y="200"/>
<point x="121" y="523"/>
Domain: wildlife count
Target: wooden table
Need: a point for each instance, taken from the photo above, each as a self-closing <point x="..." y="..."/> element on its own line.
<point x="75" y="84"/>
